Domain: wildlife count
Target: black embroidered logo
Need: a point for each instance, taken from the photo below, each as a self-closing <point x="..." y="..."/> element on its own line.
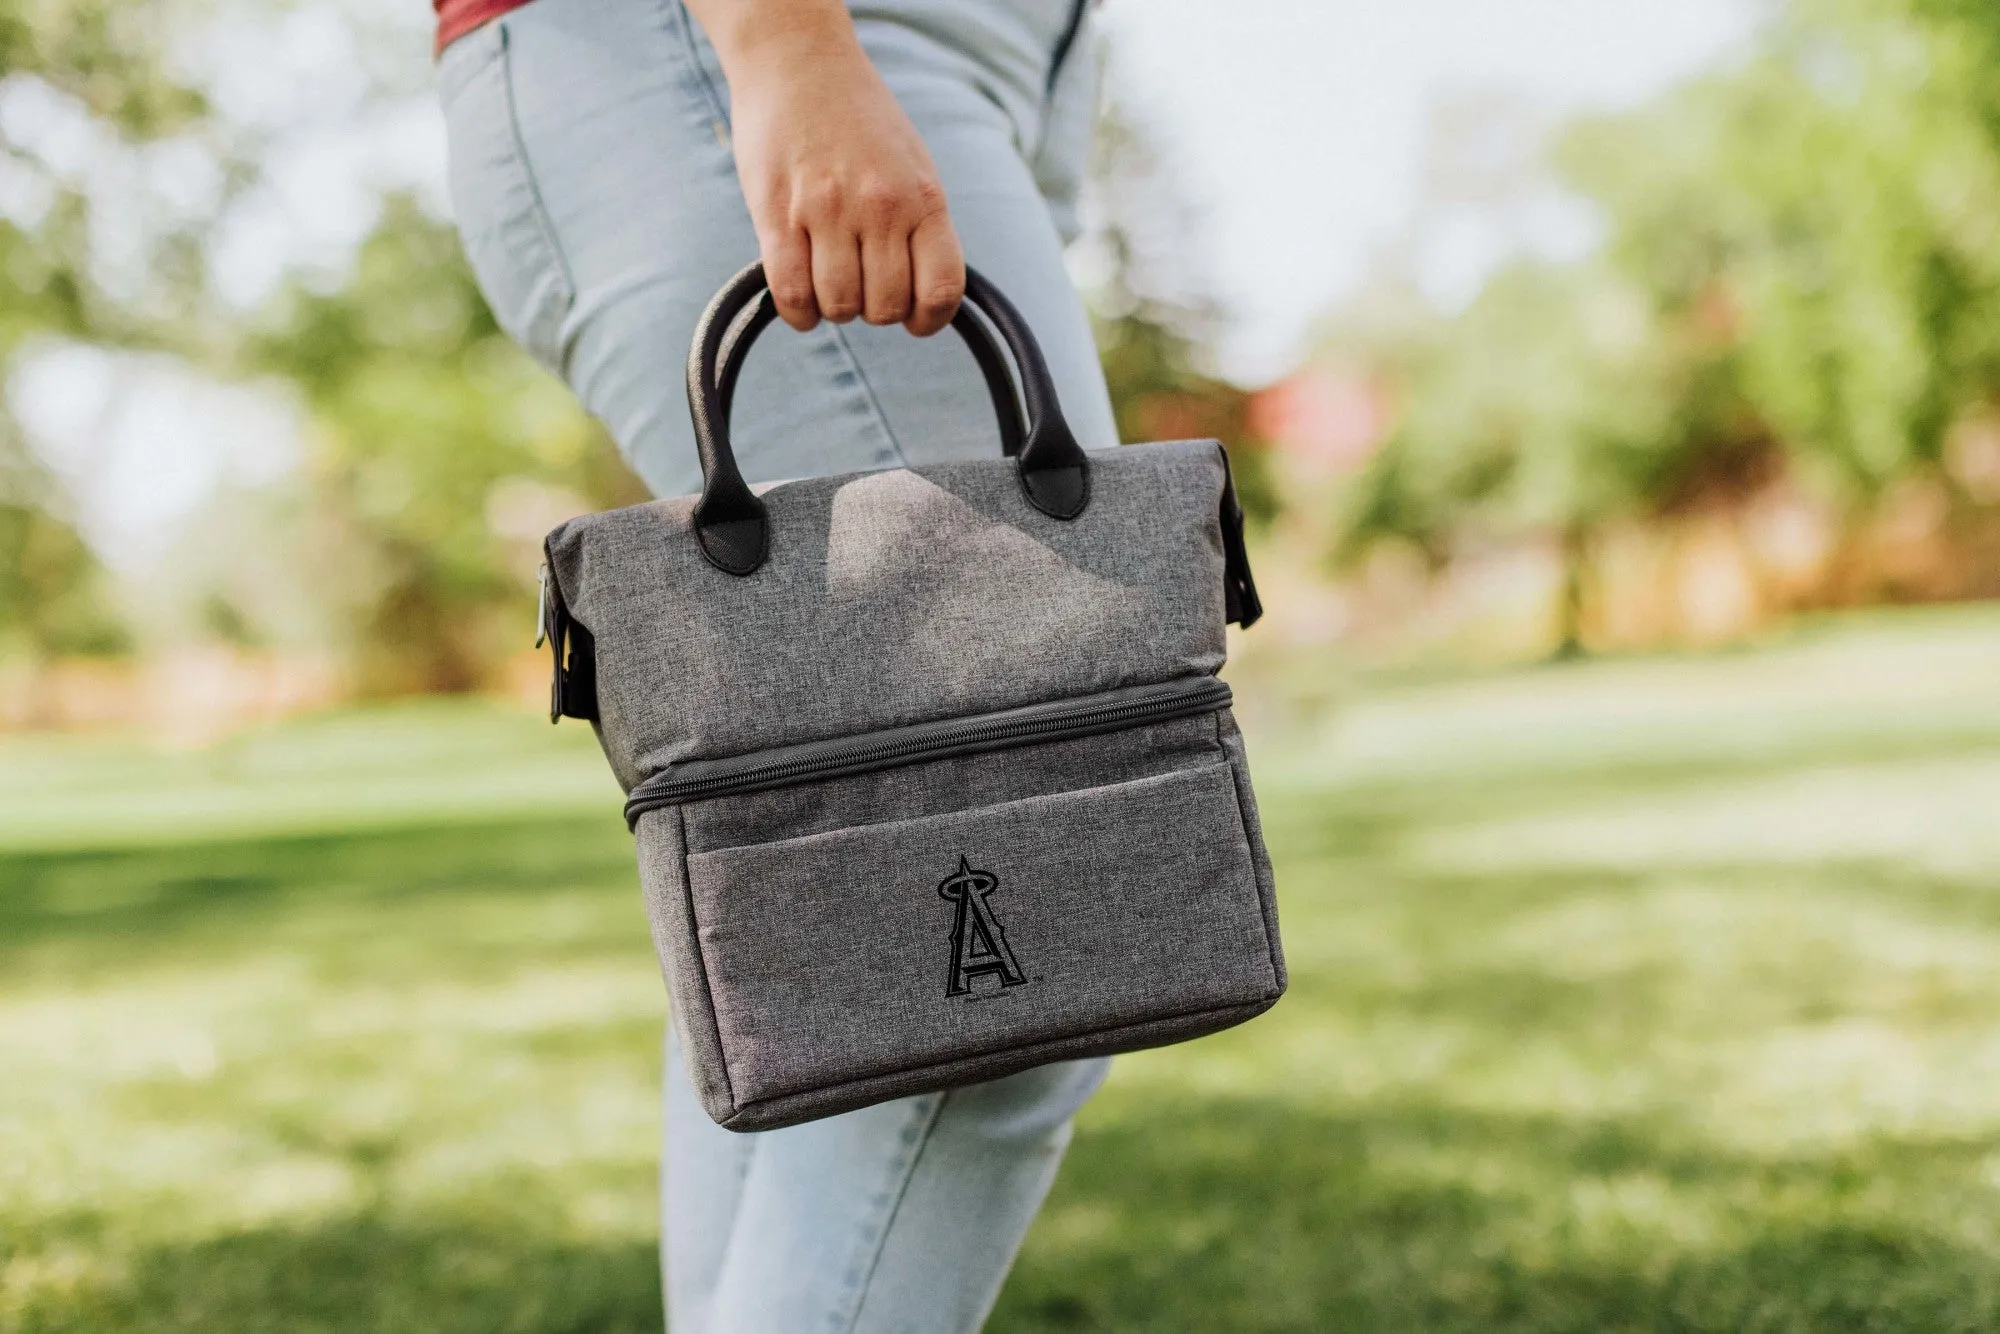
<point x="978" y="944"/>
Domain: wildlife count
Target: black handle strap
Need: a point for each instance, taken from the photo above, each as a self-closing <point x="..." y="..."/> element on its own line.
<point x="729" y="519"/>
<point x="763" y="311"/>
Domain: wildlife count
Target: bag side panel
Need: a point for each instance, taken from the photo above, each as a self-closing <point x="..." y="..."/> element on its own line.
<point x="670" y="913"/>
<point x="1231" y="740"/>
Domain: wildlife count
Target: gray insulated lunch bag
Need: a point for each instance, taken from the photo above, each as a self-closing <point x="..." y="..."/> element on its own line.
<point x="931" y="774"/>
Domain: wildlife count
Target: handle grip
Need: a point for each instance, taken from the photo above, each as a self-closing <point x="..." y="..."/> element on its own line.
<point x="730" y="522"/>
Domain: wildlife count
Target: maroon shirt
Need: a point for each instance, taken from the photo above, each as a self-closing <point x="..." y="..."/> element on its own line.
<point x="459" y="17"/>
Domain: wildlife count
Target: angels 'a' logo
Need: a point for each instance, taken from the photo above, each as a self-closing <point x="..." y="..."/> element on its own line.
<point x="978" y="944"/>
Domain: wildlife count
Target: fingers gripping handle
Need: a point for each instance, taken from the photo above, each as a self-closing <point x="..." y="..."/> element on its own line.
<point x="730" y="521"/>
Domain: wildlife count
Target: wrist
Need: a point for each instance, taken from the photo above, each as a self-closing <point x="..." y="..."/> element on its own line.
<point x="795" y="42"/>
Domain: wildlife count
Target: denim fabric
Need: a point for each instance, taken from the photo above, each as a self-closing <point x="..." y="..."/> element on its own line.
<point x="591" y="174"/>
<point x="901" y="1218"/>
<point x="598" y="201"/>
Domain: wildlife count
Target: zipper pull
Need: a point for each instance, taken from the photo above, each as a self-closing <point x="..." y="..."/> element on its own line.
<point x="542" y="605"/>
<point x="551" y="628"/>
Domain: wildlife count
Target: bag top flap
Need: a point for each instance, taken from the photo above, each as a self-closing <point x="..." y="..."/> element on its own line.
<point x="895" y="597"/>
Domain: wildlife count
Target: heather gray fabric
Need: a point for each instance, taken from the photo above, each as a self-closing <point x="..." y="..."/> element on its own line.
<point x="1076" y="874"/>
<point x="955" y="784"/>
<point x="896" y="597"/>
<point x="815" y="936"/>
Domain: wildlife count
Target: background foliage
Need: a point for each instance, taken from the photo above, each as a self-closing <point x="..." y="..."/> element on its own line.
<point x="1799" y="281"/>
<point x="1796" y="293"/>
<point x="1652" y="994"/>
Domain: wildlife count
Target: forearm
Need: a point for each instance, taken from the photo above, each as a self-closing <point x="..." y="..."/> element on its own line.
<point x="758" y="38"/>
<point x="851" y="218"/>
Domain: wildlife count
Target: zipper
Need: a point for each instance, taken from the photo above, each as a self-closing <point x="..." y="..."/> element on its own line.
<point x="1061" y="720"/>
<point x="552" y="628"/>
<point x="572" y="651"/>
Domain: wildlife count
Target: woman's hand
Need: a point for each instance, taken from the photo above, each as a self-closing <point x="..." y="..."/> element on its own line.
<point x="850" y="216"/>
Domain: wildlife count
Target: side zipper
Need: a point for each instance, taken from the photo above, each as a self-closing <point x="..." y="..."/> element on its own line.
<point x="895" y="747"/>
<point x="1239" y="590"/>
<point x="572" y="648"/>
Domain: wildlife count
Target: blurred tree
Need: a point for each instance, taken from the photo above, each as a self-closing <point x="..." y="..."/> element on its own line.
<point x="439" y="456"/>
<point x="436" y="453"/>
<point x="1153" y="323"/>
<point x="72" y="70"/>
<point x="53" y="599"/>
<point x="1556" y="404"/>
<point x="1838" y="198"/>
<point x="1801" y="272"/>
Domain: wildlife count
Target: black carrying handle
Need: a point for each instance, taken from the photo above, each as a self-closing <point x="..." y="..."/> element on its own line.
<point x="730" y="523"/>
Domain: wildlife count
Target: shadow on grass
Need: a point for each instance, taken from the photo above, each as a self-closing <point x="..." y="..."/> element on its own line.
<point x="1246" y="1216"/>
<point x="1191" y="1214"/>
<point x="1243" y="1216"/>
<point x="154" y="898"/>
<point x="383" y="1274"/>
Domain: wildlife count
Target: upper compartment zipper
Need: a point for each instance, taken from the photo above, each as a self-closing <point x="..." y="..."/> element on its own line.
<point x="1060" y="720"/>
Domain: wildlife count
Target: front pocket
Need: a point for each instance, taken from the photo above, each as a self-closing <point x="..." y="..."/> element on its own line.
<point x="839" y="955"/>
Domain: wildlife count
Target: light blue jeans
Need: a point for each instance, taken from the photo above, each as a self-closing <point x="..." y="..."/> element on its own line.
<point x="598" y="201"/>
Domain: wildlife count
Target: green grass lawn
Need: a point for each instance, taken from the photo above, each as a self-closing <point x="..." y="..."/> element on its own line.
<point x="1660" y="994"/>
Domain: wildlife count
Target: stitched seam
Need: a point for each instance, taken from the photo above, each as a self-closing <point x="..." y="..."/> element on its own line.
<point x="1061" y="62"/>
<point x="902" y="1192"/>
<point x="868" y="392"/>
<point x="1264" y="909"/>
<point x="453" y="82"/>
<point x="1065" y="47"/>
<point x="700" y="959"/>
<point x="683" y="22"/>
<point x="537" y="207"/>
<point x="958" y="1063"/>
<point x="714" y="95"/>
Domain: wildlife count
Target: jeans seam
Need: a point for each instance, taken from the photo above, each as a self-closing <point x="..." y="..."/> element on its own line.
<point x="685" y="23"/>
<point x="889" y="1220"/>
<point x="874" y="404"/>
<point x="538" y="210"/>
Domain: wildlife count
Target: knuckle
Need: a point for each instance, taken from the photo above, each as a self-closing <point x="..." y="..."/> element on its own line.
<point x="887" y="313"/>
<point x="795" y="303"/>
<point x="819" y="198"/>
<point x="939" y="296"/>
<point x="878" y="201"/>
<point x="928" y="196"/>
<point x="792" y="293"/>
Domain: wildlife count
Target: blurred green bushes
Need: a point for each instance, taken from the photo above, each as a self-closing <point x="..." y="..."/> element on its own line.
<point x="1798" y="286"/>
<point x="440" y="456"/>
<point x="435" y="453"/>
<point x="100" y="60"/>
<point x="1797" y="292"/>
